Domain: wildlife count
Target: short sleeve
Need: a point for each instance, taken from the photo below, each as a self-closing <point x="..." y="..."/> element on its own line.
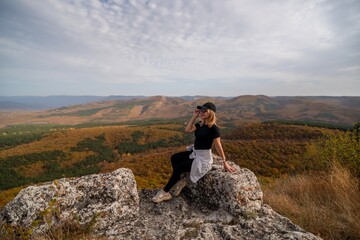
<point x="216" y="131"/>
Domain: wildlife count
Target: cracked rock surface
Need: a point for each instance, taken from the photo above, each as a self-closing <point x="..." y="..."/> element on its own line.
<point x="182" y="218"/>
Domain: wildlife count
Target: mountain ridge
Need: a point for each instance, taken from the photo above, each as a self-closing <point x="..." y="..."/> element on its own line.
<point x="335" y="110"/>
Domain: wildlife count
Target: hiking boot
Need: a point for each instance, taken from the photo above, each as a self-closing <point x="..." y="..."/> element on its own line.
<point x="179" y="186"/>
<point x="161" y="196"/>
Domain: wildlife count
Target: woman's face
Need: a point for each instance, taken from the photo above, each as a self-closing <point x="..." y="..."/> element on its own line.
<point x="204" y="114"/>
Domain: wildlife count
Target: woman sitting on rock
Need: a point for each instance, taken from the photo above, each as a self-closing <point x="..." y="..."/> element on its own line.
<point x="198" y="158"/>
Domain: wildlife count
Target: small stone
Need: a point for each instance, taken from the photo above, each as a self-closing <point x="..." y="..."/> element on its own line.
<point x="157" y="210"/>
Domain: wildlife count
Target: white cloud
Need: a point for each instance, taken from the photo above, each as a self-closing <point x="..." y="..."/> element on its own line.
<point x="148" y="41"/>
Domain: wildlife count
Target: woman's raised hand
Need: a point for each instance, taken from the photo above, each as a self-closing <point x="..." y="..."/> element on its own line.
<point x="196" y="112"/>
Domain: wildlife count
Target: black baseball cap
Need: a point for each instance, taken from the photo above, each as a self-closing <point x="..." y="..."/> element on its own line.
<point x="208" y="105"/>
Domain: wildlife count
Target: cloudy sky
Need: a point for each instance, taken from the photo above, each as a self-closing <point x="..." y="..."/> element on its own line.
<point x="180" y="47"/>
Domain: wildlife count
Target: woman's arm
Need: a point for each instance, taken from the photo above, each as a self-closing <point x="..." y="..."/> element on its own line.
<point x="190" y="127"/>
<point x="220" y="151"/>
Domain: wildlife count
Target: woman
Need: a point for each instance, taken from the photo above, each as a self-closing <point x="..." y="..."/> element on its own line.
<point x="198" y="159"/>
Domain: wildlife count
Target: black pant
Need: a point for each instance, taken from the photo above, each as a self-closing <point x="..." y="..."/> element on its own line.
<point x="180" y="163"/>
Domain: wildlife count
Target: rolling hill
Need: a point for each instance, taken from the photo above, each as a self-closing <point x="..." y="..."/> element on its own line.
<point x="31" y="103"/>
<point x="247" y="108"/>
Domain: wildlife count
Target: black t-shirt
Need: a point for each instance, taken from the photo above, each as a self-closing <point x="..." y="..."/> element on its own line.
<point x="204" y="136"/>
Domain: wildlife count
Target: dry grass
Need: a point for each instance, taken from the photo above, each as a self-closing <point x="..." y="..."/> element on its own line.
<point x="68" y="231"/>
<point x="8" y="195"/>
<point x="325" y="204"/>
<point x="65" y="230"/>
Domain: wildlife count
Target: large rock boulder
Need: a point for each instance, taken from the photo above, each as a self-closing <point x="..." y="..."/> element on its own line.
<point x="239" y="193"/>
<point x="102" y="200"/>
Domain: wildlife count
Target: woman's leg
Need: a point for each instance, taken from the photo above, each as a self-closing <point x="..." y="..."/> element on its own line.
<point x="178" y="158"/>
<point x="181" y="163"/>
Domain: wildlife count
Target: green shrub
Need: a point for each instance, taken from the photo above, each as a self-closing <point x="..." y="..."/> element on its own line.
<point x="343" y="148"/>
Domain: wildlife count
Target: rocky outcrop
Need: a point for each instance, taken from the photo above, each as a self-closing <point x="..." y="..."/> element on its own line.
<point x="104" y="201"/>
<point x="220" y="206"/>
<point x="180" y="218"/>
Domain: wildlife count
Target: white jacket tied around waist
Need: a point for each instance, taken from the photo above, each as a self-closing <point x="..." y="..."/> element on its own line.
<point x="203" y="160"/>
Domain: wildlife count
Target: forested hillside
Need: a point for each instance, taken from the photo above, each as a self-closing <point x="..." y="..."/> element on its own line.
<point x="75" y="152"/>
<point x="30" y="156"/>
